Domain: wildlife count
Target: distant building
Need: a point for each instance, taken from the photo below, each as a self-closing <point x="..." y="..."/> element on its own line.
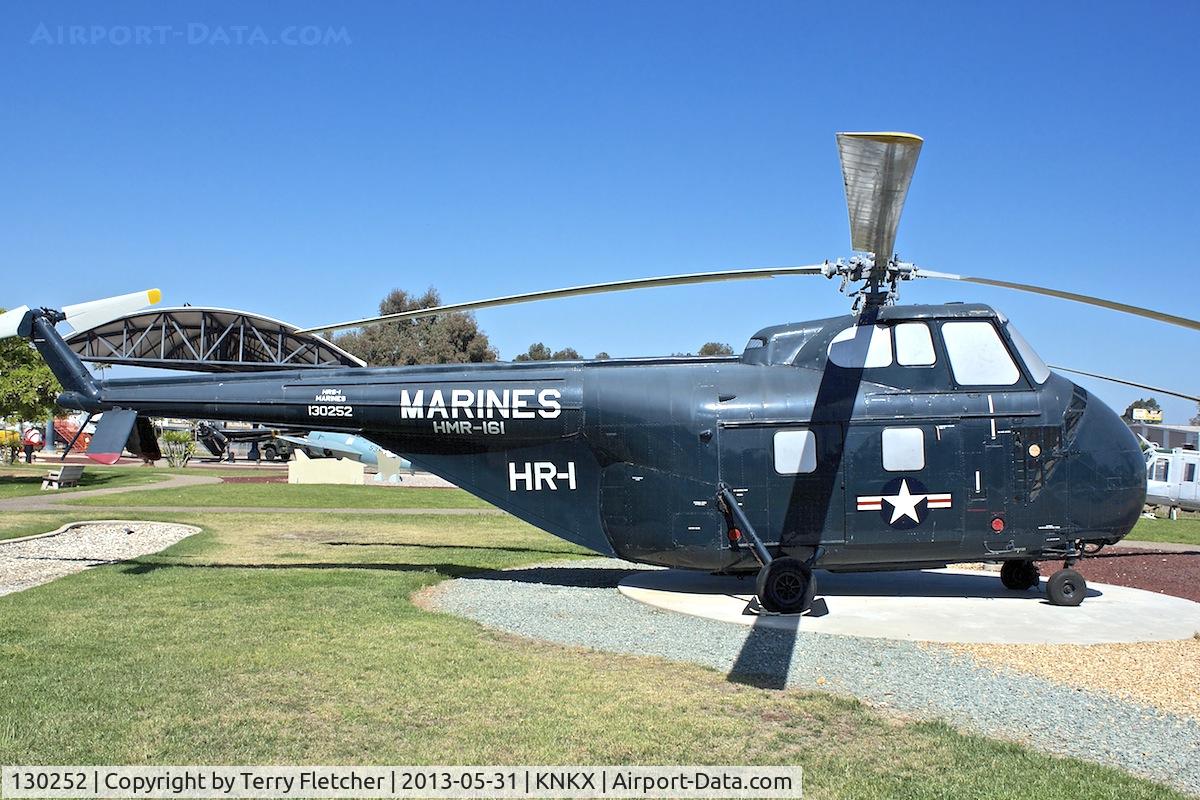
<point x="1169" y="437"/>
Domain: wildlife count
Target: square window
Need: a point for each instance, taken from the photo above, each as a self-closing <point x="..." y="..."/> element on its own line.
<point x="795" y="452"/>
<point x="903" y="449"/>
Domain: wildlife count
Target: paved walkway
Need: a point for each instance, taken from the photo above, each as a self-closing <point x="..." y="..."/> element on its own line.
<point x="53" y="501"/>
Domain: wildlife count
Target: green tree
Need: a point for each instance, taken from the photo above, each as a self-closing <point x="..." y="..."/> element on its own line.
<point x="1196" y="419"/>
<point x="708" y="349"/>
<point x="27" y="386"/>
<point x="178" y="447"/>
<point x="602" y="356"/>
<point x="715" y="349"/>
<point x="536" y="352"/>
<point x="1148" y="403"/>
<point x="453" y="338"/>
<point x="539" y="352"/>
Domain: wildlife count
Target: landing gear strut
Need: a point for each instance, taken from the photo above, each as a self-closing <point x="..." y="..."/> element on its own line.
<point x="785" y="585"/>
<point x="1019" y="575"/>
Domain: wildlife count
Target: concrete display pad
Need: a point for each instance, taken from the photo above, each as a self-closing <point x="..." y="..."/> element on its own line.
<point x="946" y="605"/>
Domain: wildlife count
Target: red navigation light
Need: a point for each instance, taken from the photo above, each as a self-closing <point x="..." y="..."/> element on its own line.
<point x="734" y="535"/>
<point x="997" y="524"/>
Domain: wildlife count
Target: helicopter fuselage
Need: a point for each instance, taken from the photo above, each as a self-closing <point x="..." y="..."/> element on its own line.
<point x="852" y="446"/>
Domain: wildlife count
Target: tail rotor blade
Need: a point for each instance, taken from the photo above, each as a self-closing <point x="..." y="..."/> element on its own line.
<point x="84" y="316"/>
<point x="10" y="321"/>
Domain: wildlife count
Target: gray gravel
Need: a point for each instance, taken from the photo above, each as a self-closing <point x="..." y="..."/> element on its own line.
<point x="576" y="603"/>
<point x="34" y="561"/>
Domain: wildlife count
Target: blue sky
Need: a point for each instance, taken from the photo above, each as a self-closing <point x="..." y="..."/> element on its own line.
<point x="491" y="148"/>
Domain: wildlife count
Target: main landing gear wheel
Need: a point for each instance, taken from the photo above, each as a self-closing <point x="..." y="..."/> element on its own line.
<point x="1019" y="575"/>
<point x="786" y="586"/>
<point x="1066" y="588"/>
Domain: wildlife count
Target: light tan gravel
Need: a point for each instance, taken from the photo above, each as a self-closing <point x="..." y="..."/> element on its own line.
<point x="1162" y="674"/>
<point x="29" y="562"/>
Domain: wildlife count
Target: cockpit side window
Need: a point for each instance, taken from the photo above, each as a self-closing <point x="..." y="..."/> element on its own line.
<point x="1033" y="362"/>
<point x="977" y="355"/>
<point x="914" y="345"/>
<point x="862" y="347"/>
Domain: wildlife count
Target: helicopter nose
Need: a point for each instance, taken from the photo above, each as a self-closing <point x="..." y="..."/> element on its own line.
<point x="1107" y="473"/>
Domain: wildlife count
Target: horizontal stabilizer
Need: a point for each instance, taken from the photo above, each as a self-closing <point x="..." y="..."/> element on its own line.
<point x="112" y="435"/>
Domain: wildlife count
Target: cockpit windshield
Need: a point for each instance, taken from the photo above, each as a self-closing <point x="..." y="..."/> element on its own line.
<point x="1033" y="362"/>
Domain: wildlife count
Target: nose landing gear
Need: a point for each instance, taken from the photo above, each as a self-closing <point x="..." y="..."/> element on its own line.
<point x="1066" y="588"/>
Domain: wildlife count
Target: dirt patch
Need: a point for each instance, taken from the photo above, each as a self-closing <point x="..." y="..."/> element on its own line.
<point x="1161" y="674"/>
<point x="1176" y="574"/>
<point x="255" y="479"/>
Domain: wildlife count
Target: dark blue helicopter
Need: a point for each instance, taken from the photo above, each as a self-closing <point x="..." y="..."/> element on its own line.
<point x="894" y="437"/>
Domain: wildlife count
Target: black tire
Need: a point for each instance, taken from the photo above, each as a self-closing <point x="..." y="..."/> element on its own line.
<point x="1066" y="588"/>
<point x="786" y="586"/>
<point x="1019" y="575"/>
<point x="270" y="453"/>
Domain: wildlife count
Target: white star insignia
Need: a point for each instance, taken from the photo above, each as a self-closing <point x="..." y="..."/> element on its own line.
<point x="904" y="504"/>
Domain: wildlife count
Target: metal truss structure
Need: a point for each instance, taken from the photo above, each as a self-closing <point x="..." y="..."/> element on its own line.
<point x="203" y="339"/>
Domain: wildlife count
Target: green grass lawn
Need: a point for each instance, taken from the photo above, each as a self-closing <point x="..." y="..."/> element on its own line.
<point x="1185" y="530"/>
<point x="293" y="639"/>
<point x="27" y="480"/>
<point x="267" y="495"/>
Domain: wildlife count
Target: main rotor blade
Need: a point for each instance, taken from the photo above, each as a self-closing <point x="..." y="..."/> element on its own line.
<point x="877" y="169"/>
<point x="1134" y="384"/>
<point x="575" y="291"/>
<point x="1148" y="313"/>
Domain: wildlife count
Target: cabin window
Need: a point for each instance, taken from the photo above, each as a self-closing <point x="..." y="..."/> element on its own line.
<point x="903" y="449"/>
<point x="1162" y="468"/>
<point x="914" y="345"/>
<point x="1189" y="473"/>
<point x="862" y="347"/>
<point x="977" y="355"/>
<point x="1033" y="362"/>
<point x="795" y="452"/>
